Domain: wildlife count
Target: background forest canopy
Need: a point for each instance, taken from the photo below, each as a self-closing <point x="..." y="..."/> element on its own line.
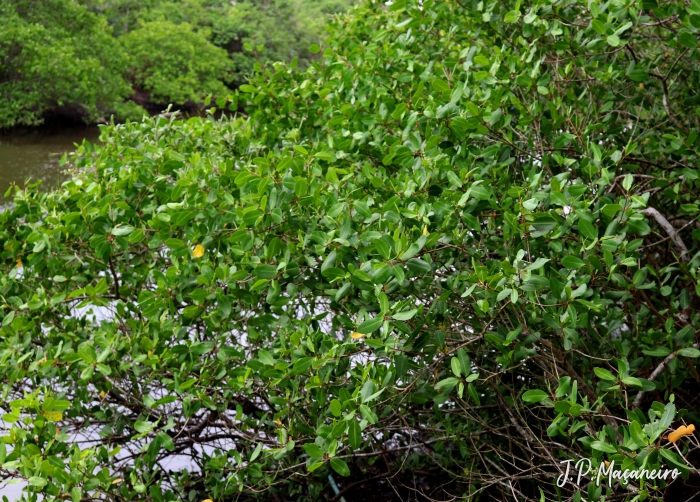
<point x="90" y="59"/>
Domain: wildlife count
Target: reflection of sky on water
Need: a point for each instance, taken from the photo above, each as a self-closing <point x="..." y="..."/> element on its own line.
<point x="90" y="436"/>
<point x="188" y="459"/>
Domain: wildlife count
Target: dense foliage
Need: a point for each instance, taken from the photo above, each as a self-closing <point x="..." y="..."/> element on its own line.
<point x="284" y="28"/>
<point x="461" y="247"/>
<point x="92" y="59"/>
<point x="186" y="67"/>
<point x="55" y="55"/>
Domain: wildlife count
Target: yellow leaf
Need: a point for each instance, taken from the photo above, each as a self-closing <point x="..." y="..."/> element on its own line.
<point x="118" y="480"/>
<point x="425" y="230"/>
<point x="356" y="335"/>
<point x="103" y="394"/>
<point x="53" y="416"/>
<point x="207" y="500"/>
<point x="19" y="262"/>
<point x="677" y="434"/>
<point x="198" y="251"/>
<point x="680" y="432"/>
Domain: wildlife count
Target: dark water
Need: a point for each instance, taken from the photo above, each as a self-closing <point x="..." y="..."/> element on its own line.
<point x="36" y="153"/>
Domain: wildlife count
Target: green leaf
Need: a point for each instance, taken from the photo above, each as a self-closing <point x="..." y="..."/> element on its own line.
<point x="464" y="361"/>
<point x="122" y="230"/>
<point x="166" y="441"/>
<point x="446" y="384"/>
<point x="511" y="16"/>
<point x="603" y="446"/>
<point x="657" y="351"/>
<point x="104" y="369"/>
<point x="673" y="459"/>
<point x="412" y="251"/>
<point x="354" y="433"/>
<point x="188" y="383"/>
<point x="257" y="451"/>
<point x="265" y="271"/>
<point x="370" y="325"/>
<point x="613" y="40"/>
<point x="367" y="414"/>
<point x="7" y="320"/>
<point x="302" y="365"/>
<point x="689" y="352"/>
<point x="627" y="181"/>
<point x="667" y="417"/>
<point x="454" y="180"/>
<point x="636" y="382"/>
<point x="37" y="481"/>
<point x="604" y="374"/>
<point x="587" y="229"/>
<point x="300" y="187"/>
<point x="503" y="294"/>
<point x="175" y="244"/>
<point x="534" y="396"/>
<point x="456" y="367"/>
<point x="611" y="210"/>
<point x="266" y="357"/>
<point x="336" y="408"/>
<point x="688" y="39"/>
<point x="539" y="263"/>
<point x="544" y="223"/>
<point x="367" y="390"/>
<point x="638" y="435"/>
<point x="404" y="316"/>
<point x="340" y="466"/>
<point x="143" y="426"/>
<point x="418" y="266"/>
<point x="572" y="262"/>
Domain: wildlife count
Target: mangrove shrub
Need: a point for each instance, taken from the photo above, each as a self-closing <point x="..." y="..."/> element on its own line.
<point x="458" y="249"/>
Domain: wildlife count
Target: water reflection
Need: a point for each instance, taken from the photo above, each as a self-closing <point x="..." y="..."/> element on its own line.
<point x="36" y="153"/>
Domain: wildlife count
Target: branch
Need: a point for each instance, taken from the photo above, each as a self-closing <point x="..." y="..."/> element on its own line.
<point x="672" y="233"/>
<point x="657" y="371"/>
<point x="560" y="357"/>
<point x="668" y="110"/>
